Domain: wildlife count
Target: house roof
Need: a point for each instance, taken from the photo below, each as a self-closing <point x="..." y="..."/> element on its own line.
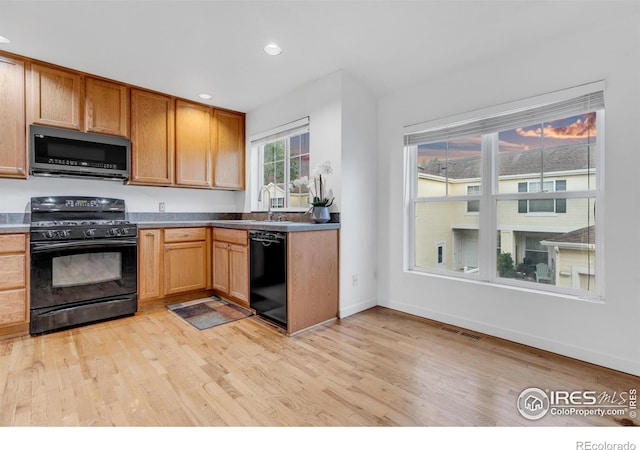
<point x="586" y="235"/>
<point x="556" y="159"/>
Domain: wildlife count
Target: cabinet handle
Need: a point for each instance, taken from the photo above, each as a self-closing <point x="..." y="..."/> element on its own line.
<point x="149" y="234"/>
<point x="186" y="235"/>
<point x="167" y="248"/>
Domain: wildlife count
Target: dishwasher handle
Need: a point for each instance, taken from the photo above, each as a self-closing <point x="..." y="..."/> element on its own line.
<point x="266" y="238"/>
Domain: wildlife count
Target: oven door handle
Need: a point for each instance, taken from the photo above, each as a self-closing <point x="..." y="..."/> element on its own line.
<point x="41" y="247"/>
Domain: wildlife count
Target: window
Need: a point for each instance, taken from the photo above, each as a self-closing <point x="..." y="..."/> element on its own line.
<point x="473" y="206"/>
<point x="282" y="161"/>
<point x="523" y="182"/>
<point x="558" y="205"/>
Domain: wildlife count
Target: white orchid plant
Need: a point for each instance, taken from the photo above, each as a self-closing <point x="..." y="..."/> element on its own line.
<point x="320" y="196"/>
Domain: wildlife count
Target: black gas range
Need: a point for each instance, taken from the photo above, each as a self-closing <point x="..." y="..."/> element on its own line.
<point x="83" y="262"/>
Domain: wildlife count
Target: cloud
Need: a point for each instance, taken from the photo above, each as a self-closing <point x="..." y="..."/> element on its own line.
<point x="577" y="129"/>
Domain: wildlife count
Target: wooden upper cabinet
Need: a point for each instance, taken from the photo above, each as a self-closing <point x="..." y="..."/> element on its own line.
<point x="13" y="125"/>
<point x="56" y="97"/>
<point x="106" y="107"/>
<point x="193" y="144"/>
<point x="229" y="150"/>
<point x="152" y="138"/>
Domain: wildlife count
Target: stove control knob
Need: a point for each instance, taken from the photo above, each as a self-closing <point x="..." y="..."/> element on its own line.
<point x="65" y="233"/>
<point x="90" y="232"/>
<point x="114" y="232"/>
<point x="49" y="234"/>
<point x="125" y="231"/>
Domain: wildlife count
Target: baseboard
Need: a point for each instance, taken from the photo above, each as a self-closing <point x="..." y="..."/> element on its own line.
<point x="359" y="307"/>
<point x="580" y="353"/>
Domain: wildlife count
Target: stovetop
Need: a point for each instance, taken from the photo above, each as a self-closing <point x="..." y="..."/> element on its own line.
<point x="75" y="223"/>
<point x="69" y="218"/>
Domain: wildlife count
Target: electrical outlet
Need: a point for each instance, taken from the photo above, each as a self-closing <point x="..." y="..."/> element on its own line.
<point x="161" y="206"/>
<point x="355" y="280"/>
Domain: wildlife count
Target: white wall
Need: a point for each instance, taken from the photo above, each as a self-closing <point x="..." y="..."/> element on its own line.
<point x="15" y="195"/>
<point x="606" y="334"/>
<point x="321" y="101"/>
<point x="342" y="119"/>
<point x="359" y="213"/>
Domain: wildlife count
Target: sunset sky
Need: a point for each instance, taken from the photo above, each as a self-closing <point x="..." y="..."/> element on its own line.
<point x="570" y="131"/>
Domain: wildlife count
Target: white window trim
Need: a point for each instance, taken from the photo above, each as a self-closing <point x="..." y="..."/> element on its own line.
<point x="490" y="197"/>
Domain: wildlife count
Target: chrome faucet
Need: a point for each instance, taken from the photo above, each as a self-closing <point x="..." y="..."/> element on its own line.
<point x="262" y="189"/>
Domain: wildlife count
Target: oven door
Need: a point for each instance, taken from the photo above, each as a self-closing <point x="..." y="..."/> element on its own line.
<point x="70" y="272"/>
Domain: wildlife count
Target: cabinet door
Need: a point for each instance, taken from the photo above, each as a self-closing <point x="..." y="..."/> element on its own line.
<point x="106" y="107"/>
<point x="152" y="138"/>
<point x="13" y="125"/>
<point x="185" y="267"/>
<point x="221" y="266"/>
<point x="149" y="264"/>
<point x="12" y="271"/>
<point x="239" y="273"/>
<point x="13" y="307"/>
<point x="193" y="144"/>
<point x="55" y="97"/>
<point x="14" y="280"/>
<point x="229" y="150"/>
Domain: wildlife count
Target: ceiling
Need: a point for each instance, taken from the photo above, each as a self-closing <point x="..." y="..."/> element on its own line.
<point x="188" y="47"/>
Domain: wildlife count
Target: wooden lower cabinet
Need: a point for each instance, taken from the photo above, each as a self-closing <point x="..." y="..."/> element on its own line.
<point x="173" y="261"/>
<point x="312" y="278"/>
<point x="150" y="264"/>
<point x="186" y="260"/>
<point x="14" y="284"/>
<point x="231" y="264"/>
<point x="239" y="273"/>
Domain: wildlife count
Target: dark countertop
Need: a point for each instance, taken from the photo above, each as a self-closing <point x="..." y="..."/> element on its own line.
<point x="283" y="226"/>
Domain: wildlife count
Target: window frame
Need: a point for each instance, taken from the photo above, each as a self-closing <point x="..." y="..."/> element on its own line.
<point x="490" y="196"/>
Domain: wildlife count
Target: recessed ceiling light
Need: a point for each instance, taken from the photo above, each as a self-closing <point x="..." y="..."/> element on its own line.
<point x="272" y="49"/>
<point x="205" y="96"/>
<point x="4" y="40"/>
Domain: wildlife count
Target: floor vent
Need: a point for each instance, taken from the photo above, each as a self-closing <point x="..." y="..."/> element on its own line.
<point x="450" y="330"/>
<point x="469" y="335"/>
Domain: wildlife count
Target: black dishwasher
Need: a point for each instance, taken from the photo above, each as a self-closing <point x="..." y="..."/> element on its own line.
<point x="268" y="275"/>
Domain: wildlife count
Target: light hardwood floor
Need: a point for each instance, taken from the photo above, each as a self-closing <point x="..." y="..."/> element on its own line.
<point x="376" y="368"/>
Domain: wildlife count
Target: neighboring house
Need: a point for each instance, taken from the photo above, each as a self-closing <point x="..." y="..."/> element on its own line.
<point x="574" y="255"/>
<point x="298" y="196"/>
<point x="548" y="231"/>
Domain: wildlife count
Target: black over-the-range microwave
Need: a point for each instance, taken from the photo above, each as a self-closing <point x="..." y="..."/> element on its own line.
<point x="70" y="153"/>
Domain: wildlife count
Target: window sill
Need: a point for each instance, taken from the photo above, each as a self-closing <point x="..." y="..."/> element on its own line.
<point x="516" y="286"/>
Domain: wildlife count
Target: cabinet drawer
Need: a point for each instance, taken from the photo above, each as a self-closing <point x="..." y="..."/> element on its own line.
<point x="13" y="307"/>
<point x="185" y="234"/>
<point x="13" y="243"/>
<point x="12" y="271"/>
<point x="239" y="237"/>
